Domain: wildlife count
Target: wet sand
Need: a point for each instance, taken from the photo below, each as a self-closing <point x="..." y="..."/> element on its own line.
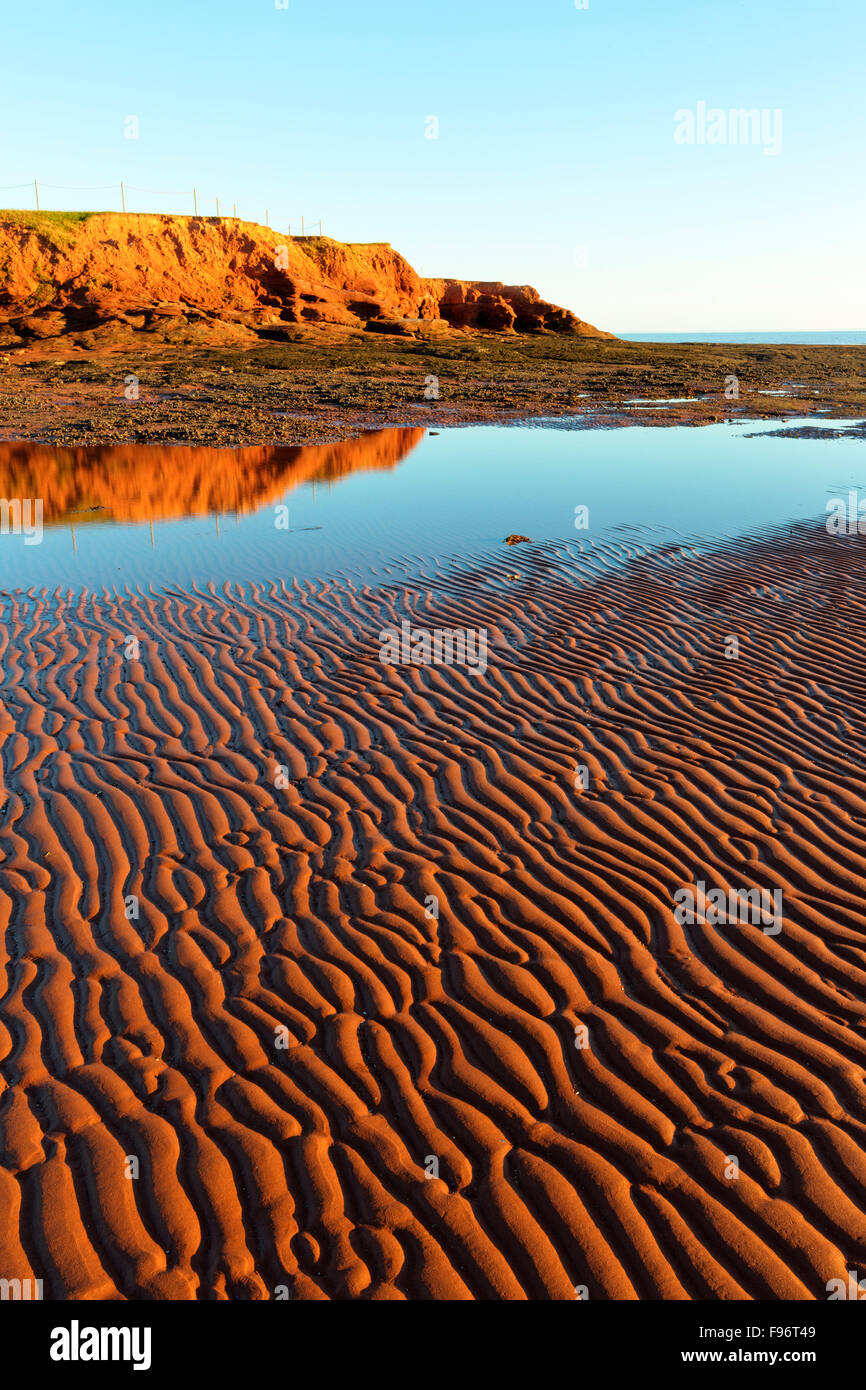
<point x="233" y="1037"/>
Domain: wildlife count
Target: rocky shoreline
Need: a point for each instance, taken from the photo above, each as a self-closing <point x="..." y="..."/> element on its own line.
<point x="328" y="384"/>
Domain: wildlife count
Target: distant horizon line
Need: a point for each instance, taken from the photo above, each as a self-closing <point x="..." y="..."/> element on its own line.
<point x="747" y="330"/>
<point x="787" y="332"/>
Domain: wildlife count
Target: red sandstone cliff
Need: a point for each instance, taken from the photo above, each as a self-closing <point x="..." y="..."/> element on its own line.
<point x="101" y="278"/>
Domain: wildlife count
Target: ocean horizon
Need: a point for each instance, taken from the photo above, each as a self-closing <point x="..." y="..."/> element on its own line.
<point x="829" y="337"/>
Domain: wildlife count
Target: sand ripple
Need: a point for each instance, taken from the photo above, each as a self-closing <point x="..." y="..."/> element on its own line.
<point x="296" y="913"/>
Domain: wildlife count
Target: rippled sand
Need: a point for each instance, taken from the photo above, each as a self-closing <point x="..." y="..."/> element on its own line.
<point x="295" y="913"/>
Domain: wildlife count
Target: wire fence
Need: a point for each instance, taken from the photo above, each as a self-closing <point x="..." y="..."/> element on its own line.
<point x="304" y="228"/>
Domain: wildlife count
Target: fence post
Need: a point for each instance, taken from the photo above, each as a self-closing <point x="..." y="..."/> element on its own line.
<point x="302" y="225"/>
<point x="195" y="202"/>
<point x="218" y="207"/>
<point x="36" y="186"/>
<point x="122" y="197"/>
<point x="235" y="207"/>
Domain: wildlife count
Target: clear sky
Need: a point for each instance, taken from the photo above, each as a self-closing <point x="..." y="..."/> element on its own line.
<point x="555" y="163"/>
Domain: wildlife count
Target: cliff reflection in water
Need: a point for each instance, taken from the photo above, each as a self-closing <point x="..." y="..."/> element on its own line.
<point x="148" y="482"/>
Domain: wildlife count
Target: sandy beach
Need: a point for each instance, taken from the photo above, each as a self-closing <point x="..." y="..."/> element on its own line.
<point x="225" y="848"/>
<point x="432" y="683"/>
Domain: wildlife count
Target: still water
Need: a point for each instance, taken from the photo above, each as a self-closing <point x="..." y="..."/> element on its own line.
<point x="400" y="500"/>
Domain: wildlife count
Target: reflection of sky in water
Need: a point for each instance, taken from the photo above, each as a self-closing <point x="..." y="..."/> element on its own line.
<point x="461" y="492"/>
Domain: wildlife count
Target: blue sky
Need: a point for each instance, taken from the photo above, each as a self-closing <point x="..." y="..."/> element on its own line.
<point x="555" y="162"/>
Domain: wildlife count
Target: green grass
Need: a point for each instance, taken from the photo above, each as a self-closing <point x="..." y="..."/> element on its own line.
<point x="58" y="227"/>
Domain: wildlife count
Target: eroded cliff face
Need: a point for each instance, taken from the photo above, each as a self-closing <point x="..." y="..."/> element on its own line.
<point x="490" y="305"/>
<point x="102" y="280"/>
